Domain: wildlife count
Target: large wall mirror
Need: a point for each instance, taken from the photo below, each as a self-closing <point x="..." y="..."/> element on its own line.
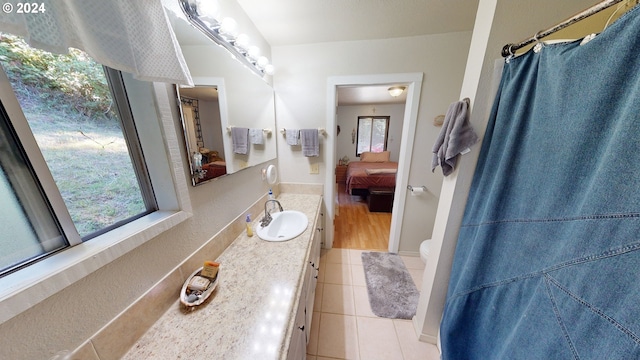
<point x="201" y="111"/>
<point x="244" y="101"/>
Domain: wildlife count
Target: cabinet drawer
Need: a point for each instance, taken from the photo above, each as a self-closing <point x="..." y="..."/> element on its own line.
<point x="341" y="174"/>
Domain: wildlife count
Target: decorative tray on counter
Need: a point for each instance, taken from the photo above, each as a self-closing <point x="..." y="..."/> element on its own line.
<point x="198" y="288"/>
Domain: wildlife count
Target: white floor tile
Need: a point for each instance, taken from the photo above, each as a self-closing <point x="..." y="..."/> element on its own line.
<point x="338" y="336"/>
<point x="337" y="274"/>
<point x="412" y="348"/>
<point x="337" y="256"/>
<point x="343" y="325"/>
<point x="338" y="299"/>
<point x="355" y="256"/>
<point x="361" y="300"/>
<point x="378" y="340"/>
<point x="357" y="276"/>
<point x="416" y="275"/>
<point x="412" y="262"/>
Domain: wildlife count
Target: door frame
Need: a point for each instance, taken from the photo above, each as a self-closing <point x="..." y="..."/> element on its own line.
<point x="413" y="81"/>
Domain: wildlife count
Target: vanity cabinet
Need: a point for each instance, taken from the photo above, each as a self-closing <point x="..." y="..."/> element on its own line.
<point x="298" y="344"/>
<point x="302" y="327"/>
<point x="312" y="276"/>
<point x="280" y="299"/>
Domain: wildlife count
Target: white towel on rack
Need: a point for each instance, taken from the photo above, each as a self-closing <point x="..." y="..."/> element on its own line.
<point x="256" y="136"/>
<point x="239" y="139"/>
<point x="310" y="142"/>
<point x="293" y="136"/>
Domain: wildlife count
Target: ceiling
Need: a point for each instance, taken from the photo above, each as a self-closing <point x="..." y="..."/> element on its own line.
<point x="293" y="22"/>
<point x="206" y="93"/>
<point x="372" y="94"/>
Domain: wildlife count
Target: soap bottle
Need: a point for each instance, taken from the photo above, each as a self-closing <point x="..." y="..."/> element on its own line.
<point x="249" y="229"/>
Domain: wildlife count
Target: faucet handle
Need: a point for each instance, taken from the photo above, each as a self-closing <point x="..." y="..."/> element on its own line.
<point x="266" y="220"/>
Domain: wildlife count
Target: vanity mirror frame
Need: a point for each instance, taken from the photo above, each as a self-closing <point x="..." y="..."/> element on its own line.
<point x="218" y="83"/>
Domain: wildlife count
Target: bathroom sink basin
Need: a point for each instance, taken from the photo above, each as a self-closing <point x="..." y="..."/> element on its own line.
<point x="285" y="226"/>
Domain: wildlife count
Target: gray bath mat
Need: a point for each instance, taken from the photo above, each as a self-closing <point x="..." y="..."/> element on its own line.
<point x="392" y="292"/>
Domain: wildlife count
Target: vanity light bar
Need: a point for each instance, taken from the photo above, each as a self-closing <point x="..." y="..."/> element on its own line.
<point x="214" y="33"/>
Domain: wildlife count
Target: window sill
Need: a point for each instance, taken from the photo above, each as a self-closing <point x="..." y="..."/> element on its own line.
<point x="25" y="288"/>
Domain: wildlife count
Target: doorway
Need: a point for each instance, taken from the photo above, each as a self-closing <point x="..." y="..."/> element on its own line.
<point x="371" y="121"/>
<point x="413" y="82"/>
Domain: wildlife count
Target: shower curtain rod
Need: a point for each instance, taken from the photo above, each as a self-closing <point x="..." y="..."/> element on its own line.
<point x="510" y="49"/>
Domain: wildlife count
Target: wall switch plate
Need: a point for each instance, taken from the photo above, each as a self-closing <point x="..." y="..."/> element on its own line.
<point x="314" y="169"/>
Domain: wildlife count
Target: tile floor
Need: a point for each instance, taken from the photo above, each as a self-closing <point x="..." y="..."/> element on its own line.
<point x="343" y="326"/>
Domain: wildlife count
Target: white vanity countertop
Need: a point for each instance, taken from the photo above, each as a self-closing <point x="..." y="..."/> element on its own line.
<point x="251" y="313"/>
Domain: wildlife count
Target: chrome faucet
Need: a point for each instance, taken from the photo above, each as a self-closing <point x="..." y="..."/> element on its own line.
<point x="266" y="220"/>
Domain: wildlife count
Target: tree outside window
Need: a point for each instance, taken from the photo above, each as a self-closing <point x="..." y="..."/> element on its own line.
<point x="373" y="132"/>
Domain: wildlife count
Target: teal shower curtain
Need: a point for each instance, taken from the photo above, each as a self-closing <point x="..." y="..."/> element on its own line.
<point x="547" y="264"/>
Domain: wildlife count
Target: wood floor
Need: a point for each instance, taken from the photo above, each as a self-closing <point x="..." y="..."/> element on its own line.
<point x="358" y="228"/>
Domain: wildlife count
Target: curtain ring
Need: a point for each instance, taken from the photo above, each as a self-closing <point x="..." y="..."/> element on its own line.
<point x="539" y="44"/>
<point x="511" y="54"/>
<point x="536" y="36"/>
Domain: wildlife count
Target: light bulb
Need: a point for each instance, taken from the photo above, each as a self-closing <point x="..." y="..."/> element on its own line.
<point x="269" y="69"/>
<point x="208" y="10"/>
<point x="396" y="90"/>
<point x="242" y="41"/>
<point x="229" y="27"/>
<point x="263" y="61"/>
<point x="254" y="52"/>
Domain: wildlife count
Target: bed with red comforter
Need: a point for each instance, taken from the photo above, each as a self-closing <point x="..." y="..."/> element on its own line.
<point x="364" y="175"/>
<point x="214" y="169"/>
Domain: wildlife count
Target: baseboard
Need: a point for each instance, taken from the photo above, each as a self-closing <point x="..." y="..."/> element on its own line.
<point x="435" y="340"/>
<point x="428" y="339"/>
<point x="409" y="253"/>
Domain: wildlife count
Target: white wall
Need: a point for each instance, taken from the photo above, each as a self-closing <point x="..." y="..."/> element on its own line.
<point x="212" y="131"/>
<point x="347" y="119"/>
<point x="300" y="83"/>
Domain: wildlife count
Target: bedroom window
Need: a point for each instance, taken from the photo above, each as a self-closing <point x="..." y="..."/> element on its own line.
<point x="372" y="134"/>
<point x="72" y="165"/>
